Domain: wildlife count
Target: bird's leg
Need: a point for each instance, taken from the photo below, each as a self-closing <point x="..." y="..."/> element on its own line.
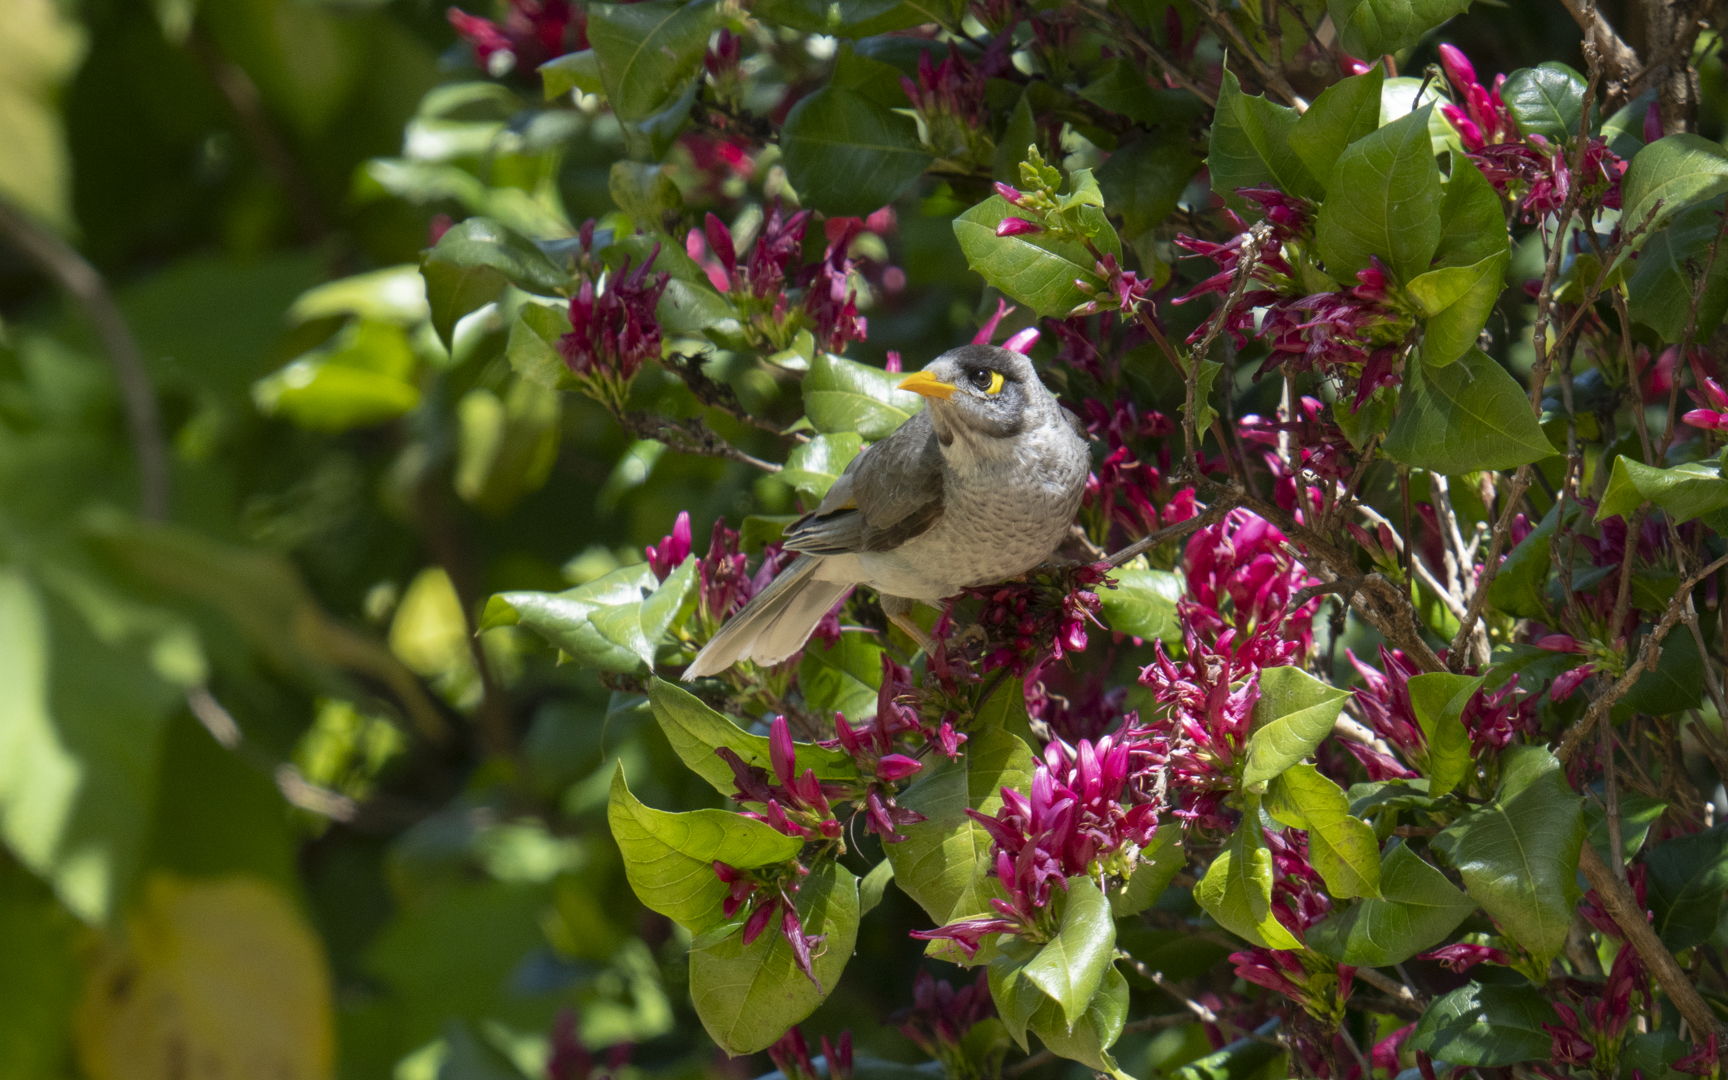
<point x="899" y="612"/>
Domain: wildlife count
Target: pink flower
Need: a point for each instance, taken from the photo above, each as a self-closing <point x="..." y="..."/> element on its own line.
<point x="1703" y="1060"/>
<point x="1013" y="226"/>
<point x="1462" y="957"/>
<point x="940" y="1016"/>
<point x="534" y="32"/>
<point x="612" y="333"/>
<point x="672" y="550"/>
<point x="1567" y="682"/>
<point x="1010" y="194"/>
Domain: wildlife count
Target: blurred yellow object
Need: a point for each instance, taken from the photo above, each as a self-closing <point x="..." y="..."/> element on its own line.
<point x="219" y="979"/>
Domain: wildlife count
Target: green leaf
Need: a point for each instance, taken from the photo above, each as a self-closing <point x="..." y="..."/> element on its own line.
<point x="1344" y="112"/>
<point x="1342" y="848"/>
<point x="1465" y="417"/>
<point x="1144" y="178"/>
<point x="662" y="608"/>
<point x="1519" y="854"/>
<point x="944" y="862"/>
<point x="846" y="154"/>
<point x="1439" y="699"/>
<point x="873" y="886"/>
<point x="1546" y="101"/>
<point x="1457" y="301"/>
<point x="1160" y="861"/>
<point x="360" y="378"/>
<point x="1675" y="171"/>
<point x="1251" y="148"/>
<point x="1032" y="268"/>
<point x="1472" y="222"/>
<point x="1372" y="28"/>
<point x="1384" y="199"/>
<point x="669" y="858"/>
<point x="1143" y="604"/>
<point x="473" y="261"/>
<point x="1005" y="710"/>
<point x="1688" y="876"/>
<point x="1686" y="491"/>
<point x="695" y="731"/>
<point x="1417" y="909"/>
<point x="1070" y="966"/>
<point x="1676" y="684"/>
<point x="748" y="995"/>
<point x="813" y="467"/>
<point x="846" y="396"/>
<point x="647" y="51"/>
<point x="599" y="624"/>
<point x="1237" y="888"/>
<point x="1123" y="89"/>
<point x="1521" y="587"/>
<point x="533" y="346"/>
<point x="1204" y="413"/>
<point x="1637" y="814"/>
<point x="572" y="71"/>
<point x="44" y="976"/>
<point x="1659" y="295"/>
<point x="1294" y="713"/>
<point x="1486" y="1025"/>
<point x="1239" y="1059"/>
<point x="843" y="678"/>
<point x="1018" y="137"/>
<point x="396" y="294"/>
<point x="1089" y="1037"/>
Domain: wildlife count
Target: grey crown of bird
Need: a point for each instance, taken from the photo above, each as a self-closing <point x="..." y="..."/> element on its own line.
<point x="980" y="486"/>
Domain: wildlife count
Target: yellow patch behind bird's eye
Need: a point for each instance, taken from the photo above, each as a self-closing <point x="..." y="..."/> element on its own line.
<point x="995" y="383"/>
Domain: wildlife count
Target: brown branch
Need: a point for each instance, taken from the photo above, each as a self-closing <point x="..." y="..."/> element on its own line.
<point x="1624" y="909"/>
<point x="1212" y="515"/>
<point x="718" y="395"/>
<point x="72" y="272"/>
<point x="1617" y="59"/>
<point x="690" y="436"/>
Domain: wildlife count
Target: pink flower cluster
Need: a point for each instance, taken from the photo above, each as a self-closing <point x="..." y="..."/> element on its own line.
<point x="940" y="1016"/>
<point x="1089" y="806"/>
<point x="614" y="330"/>
<point x="763" y="281"/>
<point x="1242" y="577"/>
<point x="1492" y="718"/>
<point x="791" y="1056"/>
<point x="534" y="32"/>
<point x="1049" y="612"/>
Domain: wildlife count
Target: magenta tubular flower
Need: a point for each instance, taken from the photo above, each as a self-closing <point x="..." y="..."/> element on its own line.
<point x="1458" y="68"/>
<point x="1704" y="1060"/>
<point x="1570" y="1046"/>
<point x="829" y="299"/>
<point x="534" y="32"/>
<point x="897" y="767"/>
<point x="672" y="550"/>
<point x="988" y="330"/>
<point x="1462" y="957"/>
<point x="792" y="1057"/>
<point x="838" y="1056"/>
<point x="614" y="332"/>
<point x="1011" y="194"/>
<point x="1567" y="682"/>
<point x="940" y="1016"/>
<point x="1022" y="341"/>
<point x="1014" y="226"/>
<point x="759" y="920"/>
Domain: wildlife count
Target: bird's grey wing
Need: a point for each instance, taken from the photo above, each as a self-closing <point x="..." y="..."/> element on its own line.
<point x="1075" y="424"/>
<point x="889" y="494"/>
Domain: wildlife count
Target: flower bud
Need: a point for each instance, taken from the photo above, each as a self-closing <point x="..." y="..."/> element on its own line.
<point x="897" y="767"/>
<point x="1014" y="226"/>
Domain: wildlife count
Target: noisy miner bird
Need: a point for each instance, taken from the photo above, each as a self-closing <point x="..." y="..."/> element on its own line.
<point x="980" y="486"/>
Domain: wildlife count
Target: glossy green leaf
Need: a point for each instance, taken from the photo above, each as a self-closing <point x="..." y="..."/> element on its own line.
<point x="472" y="263"/>
<point x="1005" y="710"/>
<point x="533" y="346"/>
<point x="1688" y="876"/>
<point x="695" y="731"/>
<point x="1467" y="416"/>
<point x="1416" y="910"/>
<point x="646" y="51"/>
<point x="842" y="678"/>
<point x="944" y="862"/>
<point x="572" y="71"/>
<point x="506" y="446"/>
<point x="1344" y="112"/>
<point x="1294" y="713"/>
<point x="599" y="624"/>
<point x="1031" y="269"/>
<point x="1160" y="861"/>
<point x="1089" y="1037"/>
<point x="748" y="995"/>
<point x="1547" y="100"/>
<point x="1675" y="171"/>
<point x="1145" y="177"/>
<point x="1123" y="89"/>
<point x="1384" y="200"/>
<point x="669" y="858"/>
<point x="1683" y="492"/>
<point x="1017" y="138"/>
<point x="846" y="154"/>
<point x="1637" y="814"/>
<point x="1439" y="699"/>
<point x="873" y="886"/>
<point x="1342" y="848"/>
<point x="1237" y="888"/>
<point x="846" y="396"/>
<point x="1520" y="588"/>
<point x="1519" y="854"/>
<point x="1472" y="221"/>
<point x="1676" y="684"/>
<point x="396" y="294"/>
<point x="363" y="377"/>
<point x="1486" y="1025"/>
<point x="1143" y="604"/>
<point x="813" y="467"/>
<point x="1251" y="147"/>
<point x="1661" y="289"/>
<point x="1457" y="301"/>
<point x="1070" y="966"/>
<point x="1371" y="28"/>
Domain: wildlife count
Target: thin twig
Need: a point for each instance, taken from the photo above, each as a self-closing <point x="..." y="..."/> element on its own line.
<point x="60" y="261"/>
<point x="691" y="436"/>
<point x="1212" y="515"/>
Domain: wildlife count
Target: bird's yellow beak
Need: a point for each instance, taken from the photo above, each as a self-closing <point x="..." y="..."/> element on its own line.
<point x="928" y="385"/>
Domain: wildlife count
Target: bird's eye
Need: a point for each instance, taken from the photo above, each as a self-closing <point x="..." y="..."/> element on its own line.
<point x="986" y="380"/>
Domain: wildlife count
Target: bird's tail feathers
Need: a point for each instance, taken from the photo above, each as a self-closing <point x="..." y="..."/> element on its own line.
<point x="774" y="624"/>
